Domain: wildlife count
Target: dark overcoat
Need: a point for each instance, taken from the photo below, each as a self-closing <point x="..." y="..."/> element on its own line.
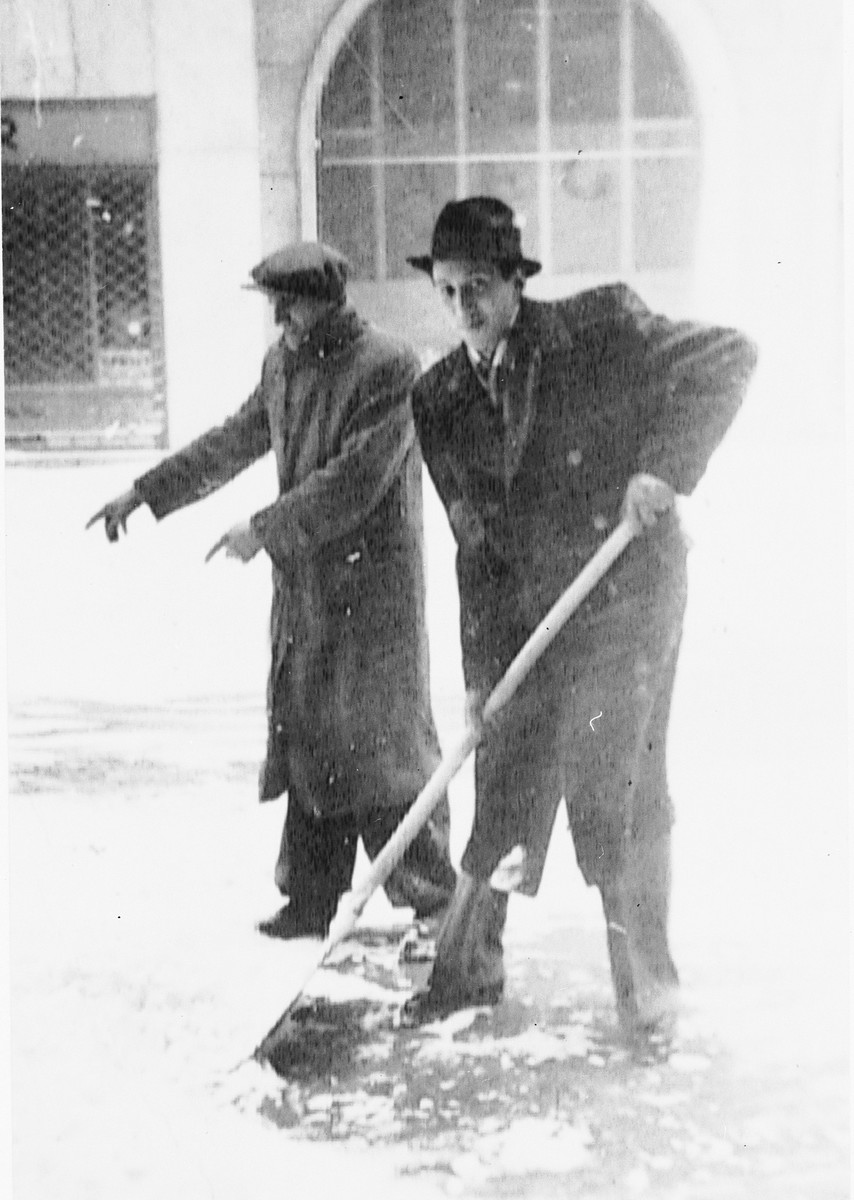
<point x="350" y="722"/>
<point x="591" y="390"/>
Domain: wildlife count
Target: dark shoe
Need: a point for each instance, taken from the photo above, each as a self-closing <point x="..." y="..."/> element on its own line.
<point x="293" y="922"/>
<point x="406" y="889"/>
<point x="423" y="1007"/>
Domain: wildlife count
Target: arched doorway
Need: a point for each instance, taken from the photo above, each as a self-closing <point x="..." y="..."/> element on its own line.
<point x="579" y="113"/>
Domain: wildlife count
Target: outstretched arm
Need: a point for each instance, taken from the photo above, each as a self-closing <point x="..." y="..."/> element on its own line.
<point x="194" y="472"/>
<point x="209" y="462"/>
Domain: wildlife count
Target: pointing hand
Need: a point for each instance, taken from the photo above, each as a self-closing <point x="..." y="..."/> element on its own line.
<point x="115" y="514"/>
<point x="241" y="542"/>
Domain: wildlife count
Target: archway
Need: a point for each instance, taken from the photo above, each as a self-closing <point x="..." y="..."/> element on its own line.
<point x="598" y="127"/>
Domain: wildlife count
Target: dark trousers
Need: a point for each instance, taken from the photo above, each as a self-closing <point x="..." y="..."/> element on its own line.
<point x="317" y="857"/>
<point x="618" y="670"/>
<point x="588" y="725"/>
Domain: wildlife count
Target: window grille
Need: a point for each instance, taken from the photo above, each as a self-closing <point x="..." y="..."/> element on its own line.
<point x="578" y="113"/>
<point x="83" y="354"/>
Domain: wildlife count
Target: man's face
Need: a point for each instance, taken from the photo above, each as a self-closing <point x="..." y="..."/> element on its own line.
<point x="297" y="316"/>
<point x="481" y="303"/>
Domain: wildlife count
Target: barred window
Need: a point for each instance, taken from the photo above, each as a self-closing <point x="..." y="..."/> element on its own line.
<point x="578" y="113"/>
<point x="83" y="357"/>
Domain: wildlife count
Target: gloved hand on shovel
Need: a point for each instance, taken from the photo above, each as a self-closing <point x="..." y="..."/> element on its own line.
<point x="646" y="498"/>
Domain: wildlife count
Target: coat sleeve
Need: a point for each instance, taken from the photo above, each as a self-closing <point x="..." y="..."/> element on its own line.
<point x="697" y="378"/>
<point x="208" y="462"/>
<point x="338" y="497"/>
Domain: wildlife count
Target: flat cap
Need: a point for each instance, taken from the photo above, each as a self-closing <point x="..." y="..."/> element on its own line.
<point x="303" y="269"/>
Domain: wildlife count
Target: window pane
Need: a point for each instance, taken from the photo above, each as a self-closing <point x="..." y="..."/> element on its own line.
<point x="661" y="86"/>
<point x="347" y="215"/>
<point x="414" y="195"/>
<point x="65" y="352"/>
<point x="585" y="72"/>
<point x="666" y="133"/>
<point x="415" y="44"/>
<point x="502" y="75"/>
<point x="586" y="137"/>
<point x="82" y="306"/>
<point x="46" y="295"/>
<point x="21" y="278"/>
<point x="665" y="206"/>
<point x="418" y="77"/>
<point x="347" y="95"/>
<point x="586" y="216"/>
<point x="117" y="205"/>
<point x="516" y="185"/>
<point x="391" y="90"/>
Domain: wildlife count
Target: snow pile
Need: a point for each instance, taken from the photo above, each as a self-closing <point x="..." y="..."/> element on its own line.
<point x="527" y="1148"/>
<point x="689" y="1063"/>
<point x="537" y="1146"/>
<point x="533" y="1046"/>
<point x="140" y="863"/>
<point x="339" y="988"/>
<point x="141" y="990"/>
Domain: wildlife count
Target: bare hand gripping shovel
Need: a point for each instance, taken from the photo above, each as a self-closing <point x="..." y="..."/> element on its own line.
<point x="352" y="903"/>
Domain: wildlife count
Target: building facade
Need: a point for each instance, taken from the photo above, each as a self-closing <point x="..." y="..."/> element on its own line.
<point x="153" y="152"/>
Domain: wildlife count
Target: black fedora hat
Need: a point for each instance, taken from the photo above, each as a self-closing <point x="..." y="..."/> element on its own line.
<point x="303" y="269"/>
<point x="479" y="229"/>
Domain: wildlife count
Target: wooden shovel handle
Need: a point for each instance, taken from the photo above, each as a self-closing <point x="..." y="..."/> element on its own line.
<point x="542" y="637"/>
<point x="352" y="903"/>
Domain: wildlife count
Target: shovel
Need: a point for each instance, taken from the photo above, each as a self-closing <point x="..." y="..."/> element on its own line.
<point x="352" y="903"/>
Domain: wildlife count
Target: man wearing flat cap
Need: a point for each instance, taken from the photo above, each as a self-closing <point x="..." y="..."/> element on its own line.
<point x="549" y="423"/>
<point x="351" y="737"/>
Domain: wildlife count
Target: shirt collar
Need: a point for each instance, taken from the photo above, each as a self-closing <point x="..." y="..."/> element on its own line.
<point x="485" y="366"/>
<point x="486" y="369"/>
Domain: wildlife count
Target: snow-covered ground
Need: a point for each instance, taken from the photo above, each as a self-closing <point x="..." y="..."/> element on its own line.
<point x="139" y="862"/>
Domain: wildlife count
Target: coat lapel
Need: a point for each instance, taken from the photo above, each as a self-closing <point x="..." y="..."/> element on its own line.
<point x="516" y="385"/>
<point x="517" y="382"/>
<point x="518" y="405"/>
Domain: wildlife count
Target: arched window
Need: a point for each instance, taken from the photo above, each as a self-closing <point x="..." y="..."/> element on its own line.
<point x="578" y="113"/>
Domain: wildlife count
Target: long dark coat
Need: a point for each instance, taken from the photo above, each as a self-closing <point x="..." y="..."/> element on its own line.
<point x="591" y="391"/>
<point x="350" y="723"/>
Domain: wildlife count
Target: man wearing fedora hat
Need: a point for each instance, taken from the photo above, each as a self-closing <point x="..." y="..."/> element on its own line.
<point x="351" y="737"/>
<point x="549" y="423"/>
